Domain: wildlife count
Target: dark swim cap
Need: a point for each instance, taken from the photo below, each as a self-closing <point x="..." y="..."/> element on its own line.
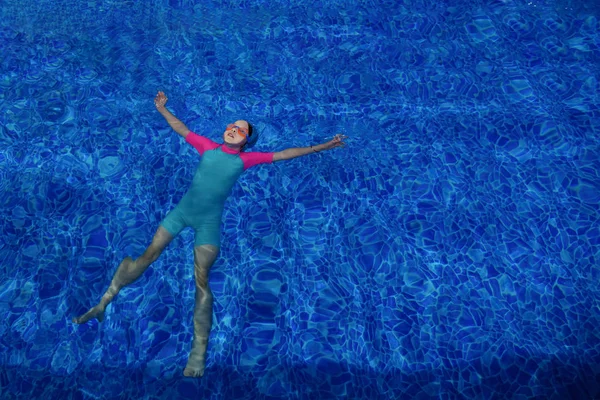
<point x="252" y="138"/>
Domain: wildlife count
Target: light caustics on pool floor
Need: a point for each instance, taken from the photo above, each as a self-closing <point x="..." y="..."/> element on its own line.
<point x="450" y="250"/>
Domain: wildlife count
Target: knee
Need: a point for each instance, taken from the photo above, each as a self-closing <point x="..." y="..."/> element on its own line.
<point x="202" y="285"/>
<point x="151" y="254"/>
<point x="201" y="280"/>
<point x="204" y="297"/>
<point x="156" y="254"/>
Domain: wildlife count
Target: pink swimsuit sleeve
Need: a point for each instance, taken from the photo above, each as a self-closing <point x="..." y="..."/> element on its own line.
<point x="252" y="159"/>
<point x="200" y="143"/>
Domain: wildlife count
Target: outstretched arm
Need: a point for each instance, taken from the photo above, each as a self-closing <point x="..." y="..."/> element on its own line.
<point x="302" y="151"/>
<point x="159" y="101"/>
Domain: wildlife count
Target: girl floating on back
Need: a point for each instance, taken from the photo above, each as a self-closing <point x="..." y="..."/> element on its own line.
<point x="201" y="208"/>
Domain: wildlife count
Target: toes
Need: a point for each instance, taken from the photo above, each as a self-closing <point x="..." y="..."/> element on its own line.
<point x="193" y="373"/>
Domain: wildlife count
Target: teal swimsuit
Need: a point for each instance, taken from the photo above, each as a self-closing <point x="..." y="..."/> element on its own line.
<point x="202" y="206"/>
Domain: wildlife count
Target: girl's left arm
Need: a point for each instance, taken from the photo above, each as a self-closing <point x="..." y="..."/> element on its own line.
<point x="288" y="154"/>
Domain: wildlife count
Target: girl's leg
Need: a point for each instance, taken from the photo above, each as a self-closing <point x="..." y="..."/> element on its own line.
<point x="204" y="257"/>
<point x="128" y="272"/>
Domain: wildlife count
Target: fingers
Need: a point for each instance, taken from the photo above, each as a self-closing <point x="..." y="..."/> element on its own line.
<point x="160" y="99"/>
<point x="338" y="140"/>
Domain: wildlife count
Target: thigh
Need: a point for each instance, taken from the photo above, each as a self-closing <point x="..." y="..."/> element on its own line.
<point x="204" y="257"/>
<point x="174" y="222"/>
<point x="207" y="232"/>
<point x="161" y="239"/>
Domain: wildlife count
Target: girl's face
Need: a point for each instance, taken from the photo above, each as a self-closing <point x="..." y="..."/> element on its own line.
<point x="235" y="135"/>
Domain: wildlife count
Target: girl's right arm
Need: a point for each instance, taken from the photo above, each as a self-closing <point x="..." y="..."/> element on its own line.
<point x="159" y="101"/>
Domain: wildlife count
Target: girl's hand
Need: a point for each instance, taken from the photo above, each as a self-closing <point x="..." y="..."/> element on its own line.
<point x="160" y="100"/>
<point x="335" y="142"/>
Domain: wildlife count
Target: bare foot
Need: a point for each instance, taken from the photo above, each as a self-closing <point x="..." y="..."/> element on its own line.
<point x="193" y="372"/>
<point x="94" y="312"/>
<point x="195" y="364"/>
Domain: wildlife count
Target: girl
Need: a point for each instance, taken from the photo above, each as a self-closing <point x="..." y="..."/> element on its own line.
<point x="200" y="208"/>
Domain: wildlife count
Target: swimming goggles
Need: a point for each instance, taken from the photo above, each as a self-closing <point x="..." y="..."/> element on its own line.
<point x="241" y="131"/>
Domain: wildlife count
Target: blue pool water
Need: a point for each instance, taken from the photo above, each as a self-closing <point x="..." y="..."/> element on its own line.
<point x="450" y="250"/>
